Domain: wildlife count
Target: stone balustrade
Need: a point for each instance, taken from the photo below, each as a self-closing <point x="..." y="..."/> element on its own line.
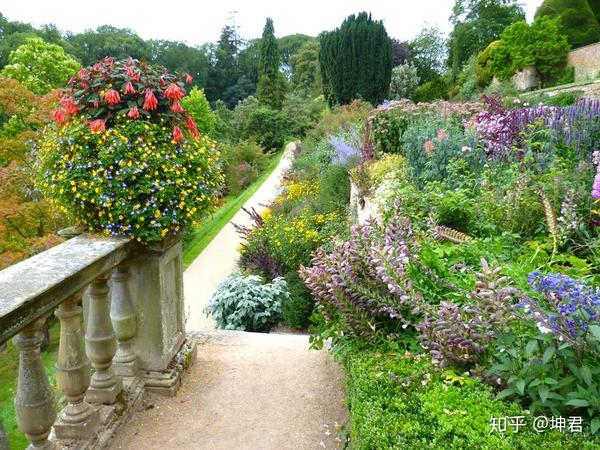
<point x="131" y="339"/>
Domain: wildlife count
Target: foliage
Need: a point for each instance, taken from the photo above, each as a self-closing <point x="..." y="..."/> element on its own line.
<point x="297" y="309"/>
<point x="242" y="164"/>
<point x="404" y="82"/>
<point x="271" y="83"/>
<point x="484" y="60"/>
<point x="131" y="179"/>
<point x="267" y="127"/>
<point x="428" y="53"/>
<point x="540" y="44"/>
<point x="363" y="285"/>
<point x="577" y="19"/>
<point x="356" y="61"/>
<point x="302" y="113"/>
<point x="196" y="104"/>
<point x="39" y="66"/>
<point x="477" y="23"/>
<point x="400" y="401"/>
<point x="245" y="303"/>
<point x="435" y="89"/>
<point x="306" y="77"/>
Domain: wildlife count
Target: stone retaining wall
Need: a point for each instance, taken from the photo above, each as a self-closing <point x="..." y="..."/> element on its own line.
<point x="586" y="61"/>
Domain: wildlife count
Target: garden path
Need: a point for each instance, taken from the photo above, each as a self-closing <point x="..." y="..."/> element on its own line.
<point x="219" y="258"/>
<point x="246" y="391"/>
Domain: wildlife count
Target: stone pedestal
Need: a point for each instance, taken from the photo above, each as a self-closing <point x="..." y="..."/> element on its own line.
<point x="156" y="282"/>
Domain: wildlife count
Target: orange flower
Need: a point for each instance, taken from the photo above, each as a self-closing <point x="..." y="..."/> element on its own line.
<point x="173" y="92"/>
<point x="150" y="101"/>
<point x="188" y="78"/>
<point x="97" y="125"/>
<point x="112" y="97"/>
<point x="176" y="107"/>
<point x="135" y="76"/>
<point x="69" y="106"/>
<point x="59" y="117"/>
<point x="133" y="113"/>
<point x="129" y="89"/>
<point x="190" y="124"/>
<point x="177" y="134"/>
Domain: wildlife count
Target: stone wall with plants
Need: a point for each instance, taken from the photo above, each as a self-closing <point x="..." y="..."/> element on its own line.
<point x="586" y="61"/>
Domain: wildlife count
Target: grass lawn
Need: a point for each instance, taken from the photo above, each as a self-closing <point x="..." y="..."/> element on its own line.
<point x="9" y="369"/>
<point x="210" y="227"/>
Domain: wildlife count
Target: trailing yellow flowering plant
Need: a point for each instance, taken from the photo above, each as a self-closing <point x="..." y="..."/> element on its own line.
<point x="130" y="179"/>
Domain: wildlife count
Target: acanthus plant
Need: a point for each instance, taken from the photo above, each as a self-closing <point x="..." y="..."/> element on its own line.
<point x="127" y="88"/>
<point x="364" y="281"/>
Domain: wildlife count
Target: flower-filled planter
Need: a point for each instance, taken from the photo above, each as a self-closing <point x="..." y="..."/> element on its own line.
<point x="124" y="157"/>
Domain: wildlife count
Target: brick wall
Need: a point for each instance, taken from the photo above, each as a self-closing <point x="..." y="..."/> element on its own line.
<point x="586" y="61"/>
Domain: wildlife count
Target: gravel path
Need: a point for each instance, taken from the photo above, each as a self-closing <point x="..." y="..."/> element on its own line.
<point x="219" y="258"/>
<point x="247" y="391"/>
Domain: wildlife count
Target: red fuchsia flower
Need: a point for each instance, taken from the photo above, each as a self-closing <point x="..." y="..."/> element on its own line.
<point x="195" y="133"/>
<point x="150" y="102"/>
<point x="429" y="147"/>
<point x="134" y="113"/>
<point x="96" y="104"/>
<point x="441" y="134"/>
<point x="98" y="125"/>
<point x="173" y="92"/>
<point x="133" y="74"/>
<point x="112" y="97"/>
<point x="84" y="85"/>
<point x="129" y="89"/>
<point x="59" y="117"/>
<point x="69" y="105"/>
<point x="188" y="78"/>
<point x="190" y="124"/>
<point x="177" y="134"/>
<point x="176" y="107"/>
<point x="97" y="66"/>
<point x="83" y="73"/>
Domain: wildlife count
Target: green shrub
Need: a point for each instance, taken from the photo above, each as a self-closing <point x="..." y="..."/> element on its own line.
<point x="268" y="127"/>
<point x="432" y="90"/>
<point x="298" y="307"/>
<point x="563" y="99"/>
<point x="245" y="303"/>
<point x="401" y="402"/>
<point x="302" y="113"/>
<point x="242" y="164"/>
<point x="483" y="72"/>
<point x="197" y="105"/>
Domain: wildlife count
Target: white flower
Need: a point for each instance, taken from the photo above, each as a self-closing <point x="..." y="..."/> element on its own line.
<point x="543" y="329"/>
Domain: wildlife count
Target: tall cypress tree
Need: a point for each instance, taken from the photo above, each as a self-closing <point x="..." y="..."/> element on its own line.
<point x="356" y="61"/>
<point x="271" y="84"/>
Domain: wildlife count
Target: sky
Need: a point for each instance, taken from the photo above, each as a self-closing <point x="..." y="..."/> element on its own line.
<point x="197" y="22"/>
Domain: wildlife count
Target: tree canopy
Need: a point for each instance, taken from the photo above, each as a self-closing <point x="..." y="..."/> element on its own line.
<point x="428" y="53"/>
<point x="271" y="83"/>
<point x="356" y="61"/>
<point x="578" y="20"/>
<point x="40" y="66"/>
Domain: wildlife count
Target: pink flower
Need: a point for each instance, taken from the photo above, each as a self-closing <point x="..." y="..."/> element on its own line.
<point x="129" y="89"/>
<point x="466" y="149"/>
<point x="150" y="102"/>
<point x="188" y="78"/>
<point x="112" y="97"/>
<point x="97" y="125"/>
<point x="596" y="185"/>
<point x="429" y="147"/>
<point x="133" y="113"/>
<point x="441" y="134"/>
<point x="173" y="92"/>
<point x="177" y="134"/>
<point x="176" y="107"/>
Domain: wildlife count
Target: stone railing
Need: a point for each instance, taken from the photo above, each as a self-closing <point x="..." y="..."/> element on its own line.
<point x="132" y="339"/>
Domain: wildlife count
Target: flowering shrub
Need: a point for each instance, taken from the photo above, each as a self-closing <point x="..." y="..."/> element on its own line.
<point x="131" y="179"/>
<point x="245" y="303"/>
<point x="363" y="283"/>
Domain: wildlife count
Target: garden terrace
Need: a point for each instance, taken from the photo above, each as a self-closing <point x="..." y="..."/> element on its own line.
<point x="130" y="352"/>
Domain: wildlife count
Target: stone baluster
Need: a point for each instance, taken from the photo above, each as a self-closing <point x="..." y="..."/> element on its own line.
<point x="122" y="315"/>
<point x="34" y="402"/>
<point x="101" y="345"/>
<point x="78" y="420"/>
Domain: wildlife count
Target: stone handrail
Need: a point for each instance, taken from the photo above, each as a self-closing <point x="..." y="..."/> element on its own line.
<point x="131" y="341"/>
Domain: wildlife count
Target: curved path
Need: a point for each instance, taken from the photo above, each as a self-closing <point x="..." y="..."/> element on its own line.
<point x="219" y="258"/>
<point x="246" y="391"/>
